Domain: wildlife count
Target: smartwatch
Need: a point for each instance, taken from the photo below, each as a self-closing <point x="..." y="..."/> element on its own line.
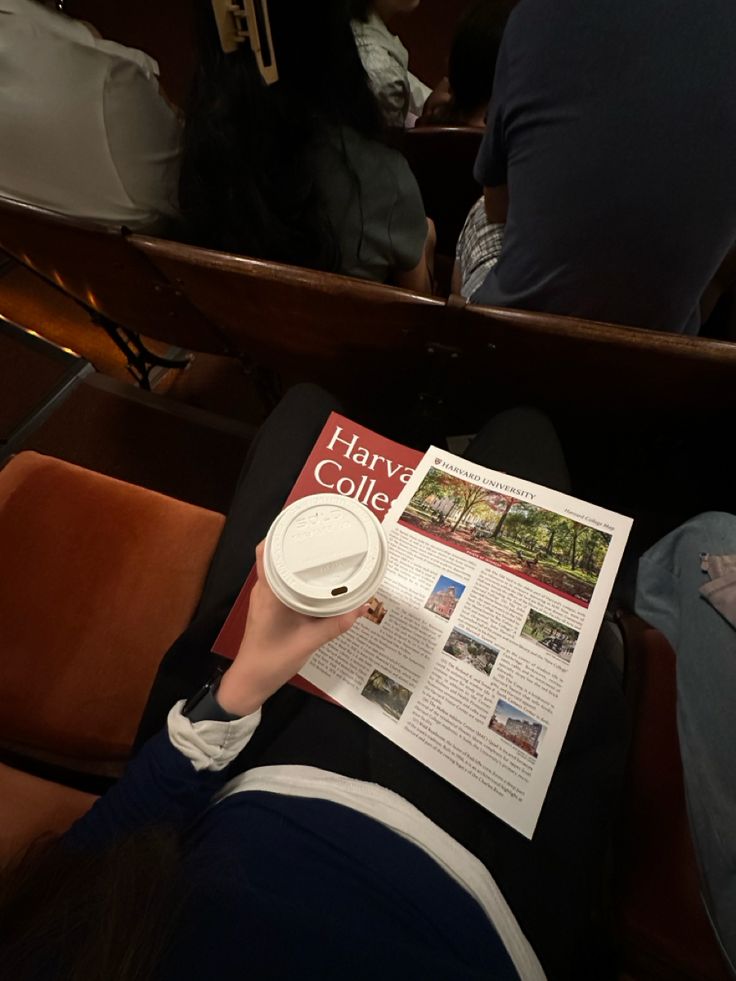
<point x="203" y="704"/>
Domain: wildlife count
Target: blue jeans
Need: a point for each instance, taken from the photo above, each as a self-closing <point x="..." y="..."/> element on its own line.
<point x="668" y="597"/>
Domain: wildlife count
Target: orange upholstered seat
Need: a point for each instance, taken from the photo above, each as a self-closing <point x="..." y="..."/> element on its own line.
<point x="30" y="806"/>
<point x="98" y="579"/>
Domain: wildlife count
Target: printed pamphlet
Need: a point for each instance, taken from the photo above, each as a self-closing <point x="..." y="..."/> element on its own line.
<point x="475" y="649"/>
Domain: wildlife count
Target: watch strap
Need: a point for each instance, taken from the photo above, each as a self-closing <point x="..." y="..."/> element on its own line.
<point x="203" y="705"/>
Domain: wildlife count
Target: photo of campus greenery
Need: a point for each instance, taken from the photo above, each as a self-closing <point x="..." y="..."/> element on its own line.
<point x="389" y="694"/>
<point x="472" y="651"/>
<point x="553" y="636"/>
<point x="548" y="548"/>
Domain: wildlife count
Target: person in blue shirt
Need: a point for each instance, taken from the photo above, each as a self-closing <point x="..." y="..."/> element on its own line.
<point x="268" y="832"/>
<point x="607" y="163"/>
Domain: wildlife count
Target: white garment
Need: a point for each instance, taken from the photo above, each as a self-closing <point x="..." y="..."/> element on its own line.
<point x="84" y="129"/>
<point x="213" y="745"/>
<point x="386" y="62"/>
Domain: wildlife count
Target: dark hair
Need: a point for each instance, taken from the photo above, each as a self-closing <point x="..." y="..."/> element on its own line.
<point x="472" y="62"/>
<point x="360" y="9"/>
<point x="247" y="184"/>
<point x="79" y="916"/>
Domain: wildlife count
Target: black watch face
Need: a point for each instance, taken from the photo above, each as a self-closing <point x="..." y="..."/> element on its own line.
<point x="211" y="686"/>
<point x="194" y="701"/>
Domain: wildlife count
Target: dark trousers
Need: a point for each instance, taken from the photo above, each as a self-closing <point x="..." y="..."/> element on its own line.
<point x="551" y="883"/>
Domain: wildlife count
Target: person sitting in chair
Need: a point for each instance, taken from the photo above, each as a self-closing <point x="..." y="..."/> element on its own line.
<point x="285" y="161"/>
<point x="607" y="163"/>
<point x="266" y="832"/>
<point x="84" y="126"/>
<point x="401" y="95"/>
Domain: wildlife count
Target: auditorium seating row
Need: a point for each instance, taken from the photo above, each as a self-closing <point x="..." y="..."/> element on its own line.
<point x="363" y="341"/>
<point x="90" y="608"/>
<point x="360" y="339"/>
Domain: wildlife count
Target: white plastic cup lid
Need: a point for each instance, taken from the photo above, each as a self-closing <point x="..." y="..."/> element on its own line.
<point x="325" y="555"/>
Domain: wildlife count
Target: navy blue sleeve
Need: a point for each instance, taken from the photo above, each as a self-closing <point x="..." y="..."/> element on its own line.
<point x="159" y="787"/>
<point x="491" y="162"/>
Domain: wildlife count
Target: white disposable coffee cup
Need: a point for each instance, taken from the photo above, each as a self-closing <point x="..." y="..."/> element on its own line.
<point x="325" y="555"/>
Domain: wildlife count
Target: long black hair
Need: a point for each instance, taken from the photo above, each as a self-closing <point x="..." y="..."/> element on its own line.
<point x="246" y="183"/>
<point x="88" y="916"/>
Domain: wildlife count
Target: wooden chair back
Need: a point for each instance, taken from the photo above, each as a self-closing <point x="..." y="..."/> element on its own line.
<point x="360" y="338"/>
<point x="353" y="336"/>
<point x="552" y="360"/>
<point x="94" y="264"/>
<point x="664" y="931"/>
<point x="442" y="158"/>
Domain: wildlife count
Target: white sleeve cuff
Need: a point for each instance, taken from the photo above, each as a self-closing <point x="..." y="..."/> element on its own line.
<point x="210" y="745"/>
<point x="418" y="94"/>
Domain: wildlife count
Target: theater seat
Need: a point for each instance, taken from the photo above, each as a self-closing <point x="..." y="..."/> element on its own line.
<point x="31" y="806"/>
<point x="663" y="927"/>
<point x="98" y="579"/>
<point x="441" y="158"/>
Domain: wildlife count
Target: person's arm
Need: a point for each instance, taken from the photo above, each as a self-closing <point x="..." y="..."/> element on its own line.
<point x="160" y="787"/>
<point x="496" y="203"/>
<point x="144" y="135"/>
<point x="276" y="644"/>
<point x="173" y="778"/>
<point x="411" y="235"/>
<point x="491" y="164"/>
<point x="388" y="81"/>
<point x="436" y="100"/>
<point x="420" y="279"/>
<point x="420" y="94"/>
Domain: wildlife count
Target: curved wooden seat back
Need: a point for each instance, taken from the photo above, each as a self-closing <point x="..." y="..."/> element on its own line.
<point x="352" y="335"/>
<point x="663" y="928"/>
<point x="442" y="158"/>
<point x="94" y="264"/>
<point x="356" y="336"/>
<point x="555" y="360"/>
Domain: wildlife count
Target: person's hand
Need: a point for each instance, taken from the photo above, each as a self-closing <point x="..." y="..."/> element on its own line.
<point x="438" y="98"/>
<point x="277" y="642"/>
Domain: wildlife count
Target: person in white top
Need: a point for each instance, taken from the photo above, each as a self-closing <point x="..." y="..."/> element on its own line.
<point x="401" y="95"/>
<point x="84" y="128"/>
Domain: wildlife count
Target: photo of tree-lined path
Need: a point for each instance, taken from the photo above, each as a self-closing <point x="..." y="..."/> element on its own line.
<point x="551" y="634"/>
<point x="524" y="539"/>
